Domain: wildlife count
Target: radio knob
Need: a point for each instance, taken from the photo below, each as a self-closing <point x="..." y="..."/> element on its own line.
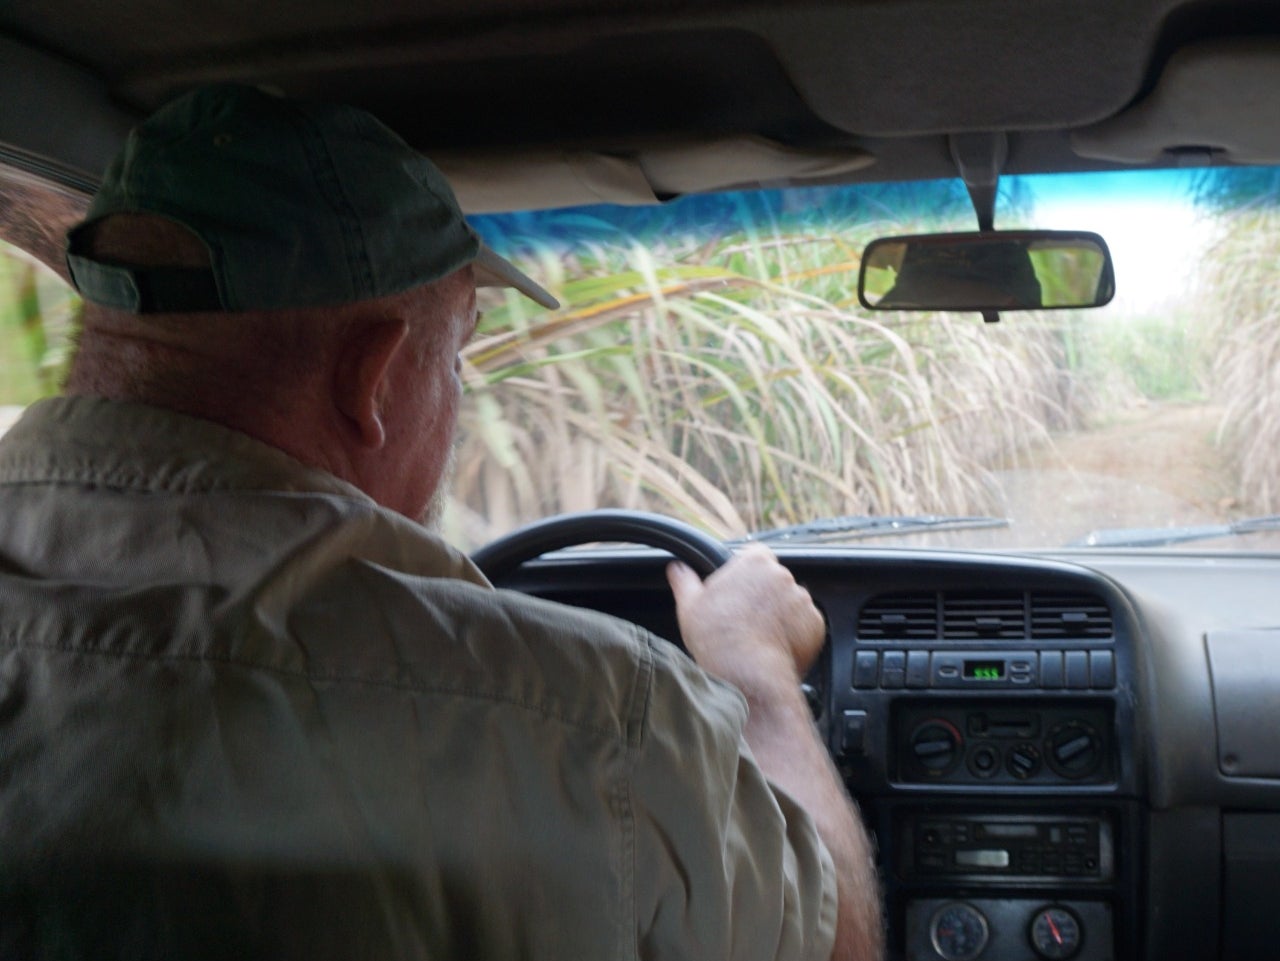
<point x="1075" y="750"/>
<point x="935" y="746"/>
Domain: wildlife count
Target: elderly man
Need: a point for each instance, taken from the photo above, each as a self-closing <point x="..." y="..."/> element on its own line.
<point x="250" y="707"/>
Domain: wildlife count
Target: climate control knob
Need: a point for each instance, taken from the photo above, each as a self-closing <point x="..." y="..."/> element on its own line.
<point x="1024" y="760"/>
<point x="935" y="747"/>
<point x="1074" y="749"/>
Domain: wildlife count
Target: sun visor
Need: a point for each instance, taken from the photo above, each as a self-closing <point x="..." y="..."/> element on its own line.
<point x="742" y="162"/>
<point x="1216" y="98"/>
<point x="488" y="183"/>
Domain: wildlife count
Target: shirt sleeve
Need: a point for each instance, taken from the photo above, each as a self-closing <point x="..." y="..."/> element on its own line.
<point x="726" y="865"/>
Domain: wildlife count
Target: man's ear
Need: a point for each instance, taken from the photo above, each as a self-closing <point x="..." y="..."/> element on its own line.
<point x="360" y="379"/>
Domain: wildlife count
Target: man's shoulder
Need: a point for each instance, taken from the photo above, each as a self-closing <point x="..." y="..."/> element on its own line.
<point x="456" y="638"/>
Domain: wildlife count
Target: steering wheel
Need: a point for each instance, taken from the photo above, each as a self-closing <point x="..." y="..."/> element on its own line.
<point x="696" y="548"/>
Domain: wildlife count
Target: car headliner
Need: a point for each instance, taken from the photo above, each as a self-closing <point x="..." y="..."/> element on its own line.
<point x="576" y="101"/>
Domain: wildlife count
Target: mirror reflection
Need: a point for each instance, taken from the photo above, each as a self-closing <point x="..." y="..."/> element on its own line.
<point x="993" y="270"/>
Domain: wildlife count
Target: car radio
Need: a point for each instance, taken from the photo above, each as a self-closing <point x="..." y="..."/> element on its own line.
<point x="1006" y="847"/>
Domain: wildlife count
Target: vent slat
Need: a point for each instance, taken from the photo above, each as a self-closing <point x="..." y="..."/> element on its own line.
<point x="900" y="617"/>
<point x="971" y="617"/>
<point x="1062" y="616"/>
<point x="1041" y="616"/>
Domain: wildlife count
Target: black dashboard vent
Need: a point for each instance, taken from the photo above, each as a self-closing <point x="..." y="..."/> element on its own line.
<point x="1078" y="616"/>
<point x="984" y="616"/>
<point x="892" y="617"/>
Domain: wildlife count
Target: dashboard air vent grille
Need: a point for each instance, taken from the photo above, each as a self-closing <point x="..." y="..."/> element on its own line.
<point x="891" y="617"/>
<point x="1055" y="616"/>
<point x="988" y="616"/>
<point x="984" y="616"/>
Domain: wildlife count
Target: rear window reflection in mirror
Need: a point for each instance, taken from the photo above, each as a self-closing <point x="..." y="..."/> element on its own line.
<point x="992" y="270"/>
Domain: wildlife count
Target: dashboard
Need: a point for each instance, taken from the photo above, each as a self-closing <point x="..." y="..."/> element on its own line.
<point x="1060" y="756"/>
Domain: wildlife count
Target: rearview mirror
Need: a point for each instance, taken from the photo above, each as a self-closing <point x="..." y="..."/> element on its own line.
<point x="987" y="271"/>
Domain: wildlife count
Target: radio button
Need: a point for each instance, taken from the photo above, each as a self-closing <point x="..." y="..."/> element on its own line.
<point x="947" y="669"/>
<point x="1023" y="670"/>
<point x="866" y="669"/>
<point x="1102" y="669"/>
<point x="933" y="834"/>
<point x="1051" y="675"/>
<point x="893" y="669"/>
<point x="917" y="669"/>
<point x="1077" y="669"/>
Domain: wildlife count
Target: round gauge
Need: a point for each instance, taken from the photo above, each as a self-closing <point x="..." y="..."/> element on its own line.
<point x="1055" y="933"/>
<point x="958" y="931"/>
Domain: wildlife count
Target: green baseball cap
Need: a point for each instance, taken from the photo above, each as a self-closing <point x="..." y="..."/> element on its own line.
<point x="300" y="204"/>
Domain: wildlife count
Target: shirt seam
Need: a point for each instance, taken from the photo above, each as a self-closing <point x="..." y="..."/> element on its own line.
<point x="472" y="693"/>
<point x="637" y="725"/>
<point x="31" y="474"/>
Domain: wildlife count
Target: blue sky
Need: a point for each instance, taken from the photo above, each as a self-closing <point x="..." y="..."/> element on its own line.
<point x="1155" y="232"/>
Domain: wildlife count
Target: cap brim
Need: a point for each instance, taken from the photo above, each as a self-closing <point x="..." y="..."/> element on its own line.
<point x="494" y="271"/>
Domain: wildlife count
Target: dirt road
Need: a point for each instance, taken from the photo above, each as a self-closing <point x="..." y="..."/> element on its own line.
<point x="1151" y="466"/>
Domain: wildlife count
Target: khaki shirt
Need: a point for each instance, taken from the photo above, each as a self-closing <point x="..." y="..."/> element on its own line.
<point x="245" y="712"/>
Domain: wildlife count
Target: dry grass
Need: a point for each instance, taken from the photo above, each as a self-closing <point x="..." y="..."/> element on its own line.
<point x="739" y="394"/>
<point x="1245" y="304"/>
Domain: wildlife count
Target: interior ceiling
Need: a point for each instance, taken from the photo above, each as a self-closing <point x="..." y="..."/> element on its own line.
<point x="497" y="79"/>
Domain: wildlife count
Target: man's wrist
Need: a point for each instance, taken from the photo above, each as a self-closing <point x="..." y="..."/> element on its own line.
<point x="763" y="676"/>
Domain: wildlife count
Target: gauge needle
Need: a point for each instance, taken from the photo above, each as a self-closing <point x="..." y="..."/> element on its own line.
<point x="1057" y="935"/>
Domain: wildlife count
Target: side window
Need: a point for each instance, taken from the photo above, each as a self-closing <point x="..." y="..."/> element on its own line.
<point x="38" y="312"/>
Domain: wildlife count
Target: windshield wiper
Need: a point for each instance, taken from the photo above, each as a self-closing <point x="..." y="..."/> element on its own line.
<point x="857" y="526"/>
<point x="1164" y="536"/>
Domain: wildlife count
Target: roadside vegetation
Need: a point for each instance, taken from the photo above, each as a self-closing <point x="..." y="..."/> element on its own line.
<point x="1152" y="358"/>
<point x="727" y="375"/>
<point x="1242" y="306"/>
<point x="37" y="315"/>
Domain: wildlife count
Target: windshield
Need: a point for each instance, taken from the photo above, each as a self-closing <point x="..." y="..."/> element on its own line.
<point x="711" y="361"/>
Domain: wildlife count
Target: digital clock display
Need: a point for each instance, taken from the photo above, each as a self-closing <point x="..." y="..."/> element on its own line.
<point x="984" y="670"/>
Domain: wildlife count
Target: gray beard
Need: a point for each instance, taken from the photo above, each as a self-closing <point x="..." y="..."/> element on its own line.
<point x="434" y="511"/>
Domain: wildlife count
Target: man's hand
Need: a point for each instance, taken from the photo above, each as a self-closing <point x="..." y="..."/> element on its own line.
<point x="749" y="623"/>
<point x="752" y="625"/>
